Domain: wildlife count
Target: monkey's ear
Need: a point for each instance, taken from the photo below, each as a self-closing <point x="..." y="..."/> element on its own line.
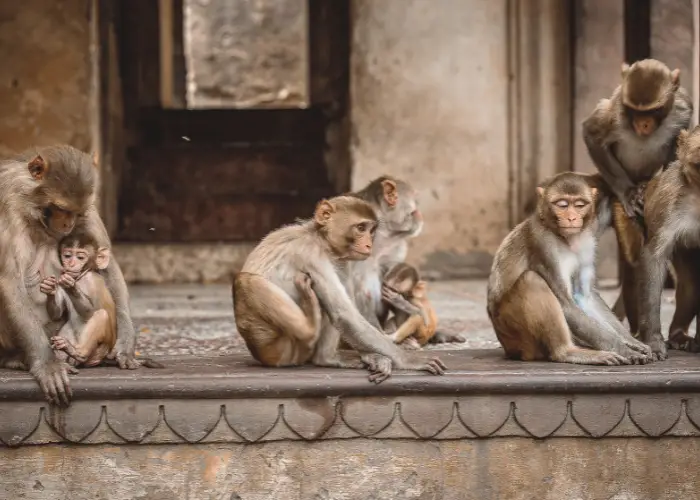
<point x="95" y="159"/>
<point x="391" y="195"/>
<point x="38" y="168"/>
<point x="324" y="212"/>
<point x="102" y="258"/>
<point x="540" y="191"/>
<point x="594" y="192"/>
<point x="625" y="69"/>
<point x="676" y="77"/>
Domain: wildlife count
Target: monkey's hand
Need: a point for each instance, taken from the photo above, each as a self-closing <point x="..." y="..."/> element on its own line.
<point x="410" y="344"/>
<point x="399" y="302"/>
<point x="379" y="366"/>
<point x="432" y="365"/>
<point x="125" y="360"/>
<point x="66" y="281"/>
<point x="635" y="201"/>
<point x="48" y="285"/>
<point x="52" y="377"/>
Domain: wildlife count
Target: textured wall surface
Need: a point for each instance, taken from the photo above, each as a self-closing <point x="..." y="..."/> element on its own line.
<point x="672" y="37"/>
<point x="45" y="76"/>
<point x="494" y="469"/>
<point x="429" y="96"/>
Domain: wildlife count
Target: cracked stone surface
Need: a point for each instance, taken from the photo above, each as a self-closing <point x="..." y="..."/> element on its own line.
<point x="198" y="319"/>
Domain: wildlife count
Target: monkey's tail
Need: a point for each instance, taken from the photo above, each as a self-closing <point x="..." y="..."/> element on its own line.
<point x="149" y="363"/>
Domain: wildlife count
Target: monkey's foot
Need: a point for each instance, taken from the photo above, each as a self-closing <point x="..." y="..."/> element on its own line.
<point x="635" y="357"/>
<point x="52" y="377"/>
<point x="658" y="349"/>
<point x="638" y="346"/>
<point x="680" y="341"/>
<point x="446" y="338"/>
<point x="379" y="367"/>
<point x="59" y="343"/>
<point x="410" y="344"/>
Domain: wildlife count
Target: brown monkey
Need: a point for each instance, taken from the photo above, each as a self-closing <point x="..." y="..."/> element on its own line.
<point x="673" y="232"/>
<point x="403" y="282"/>
<point x="541" y="296"/>
<point x="45" y="193"/>
<point x="82" y="295"/>
<point x="629" y="137"/>
<point x="291" y="306"/>
<point x="395" y="202"/>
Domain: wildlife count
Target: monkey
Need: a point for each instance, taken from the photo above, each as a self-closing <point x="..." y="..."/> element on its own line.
<point x="673" y="232"/>
<point x="395" y="201"/>
<point x="541" y="298"/>
<point x="404" y="281"/>
<point x="630" y="137"/>
<point x="291" y="307"/>
<point x="82" y="295"/>
<point x="46" y="193"/>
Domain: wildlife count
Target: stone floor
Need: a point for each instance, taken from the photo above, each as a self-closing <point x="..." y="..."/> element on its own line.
<point x="198" y="319"/>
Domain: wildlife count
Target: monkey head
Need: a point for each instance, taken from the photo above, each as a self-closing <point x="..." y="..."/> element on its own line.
<point x="689" y="154"/>
<point x="398" y="202"/>
<point x="348" y="225"/>
<point x="566" y="204"/>
<point x="648" y="92"/>
<point x="63" y="183"/>
<point x="79" y="251"/>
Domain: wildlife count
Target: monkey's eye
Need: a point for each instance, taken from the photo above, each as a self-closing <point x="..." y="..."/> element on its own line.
<point x="362" y="227"/>
<point x="580" y="203"/>
<point x="561" y="203"/>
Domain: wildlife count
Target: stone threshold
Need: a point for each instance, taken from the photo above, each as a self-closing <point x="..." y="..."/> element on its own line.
<point x="230" y="400"/>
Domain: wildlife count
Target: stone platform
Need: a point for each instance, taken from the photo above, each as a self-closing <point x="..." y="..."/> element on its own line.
<point x="214" y="425"/>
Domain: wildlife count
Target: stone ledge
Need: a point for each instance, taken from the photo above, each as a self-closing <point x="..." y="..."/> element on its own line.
<point x="225" y="400"/>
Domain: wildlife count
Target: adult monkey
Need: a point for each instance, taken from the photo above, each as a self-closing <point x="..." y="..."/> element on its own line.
<point x="291" y="306"/>
<point x="630" y="137"/>
<point x="541" y="298"/>
<point x="396" y="205"/>
<point x="44" y="195"/>
<point x="673" y="232"/>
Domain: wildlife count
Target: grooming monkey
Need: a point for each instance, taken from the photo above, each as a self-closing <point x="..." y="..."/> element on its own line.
<point x="395" y="202"/>
<point x="541" y="297"/>
<point x="630" y="137"/>
<point x="672" y="216"/>
<point x="291" y="306"/>
<point x="44" y="194"/>
<point x="403" y="282"/>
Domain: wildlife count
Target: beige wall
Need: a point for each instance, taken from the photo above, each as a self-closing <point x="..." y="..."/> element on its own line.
<point x="421" y="73"/>
<point x="45" y="54"/>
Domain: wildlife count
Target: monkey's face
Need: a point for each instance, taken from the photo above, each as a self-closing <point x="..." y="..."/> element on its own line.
<point x="645" y="123"/>
<point x="74" y="258"/>
<point x="359" y="238"/>
<point x="404" y="217"/>
<point x="570" y="213"/>
<point x="64" y="191"/>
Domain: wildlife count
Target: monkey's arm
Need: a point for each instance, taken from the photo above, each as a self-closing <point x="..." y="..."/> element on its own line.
<point x="56" y="305"/>
<point x="81" y="301"/>
<point x="125" y="349"/>
<point x="398" y="301"/>
<point x="651" y="275"/>
<point x="612" y="172"/>
<point x="17" y="311"/>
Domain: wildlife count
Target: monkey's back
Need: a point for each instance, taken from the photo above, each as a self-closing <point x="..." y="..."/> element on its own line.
<point x="509" y="263"/>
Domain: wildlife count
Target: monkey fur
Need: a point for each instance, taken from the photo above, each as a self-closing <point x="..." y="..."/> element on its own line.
<point x="402" y="283"/>
<point x="291" y="306"/>
<point x="541" y="297"/>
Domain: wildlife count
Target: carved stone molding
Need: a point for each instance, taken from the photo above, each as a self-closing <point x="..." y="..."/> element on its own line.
<point x="415" y="417"/>
<point x="227" y="400"/>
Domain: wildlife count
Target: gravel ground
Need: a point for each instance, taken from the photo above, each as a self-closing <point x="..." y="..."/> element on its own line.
<point x="198" y="319"/>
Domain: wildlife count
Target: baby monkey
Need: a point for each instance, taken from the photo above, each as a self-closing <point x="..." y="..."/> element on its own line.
<point x="402" y="290"/>
<point x="81" y="294"/>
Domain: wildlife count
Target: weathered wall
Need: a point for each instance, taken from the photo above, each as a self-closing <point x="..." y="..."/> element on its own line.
<point x="429" y="97"/>
<point x="45" y="88"/>
<point x="672" y="36"/>
<point x="494" y="469"/>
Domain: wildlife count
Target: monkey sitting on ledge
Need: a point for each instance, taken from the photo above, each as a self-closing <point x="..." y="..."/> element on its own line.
<point x="403" y="290"/>
<point x="541" y="298"/>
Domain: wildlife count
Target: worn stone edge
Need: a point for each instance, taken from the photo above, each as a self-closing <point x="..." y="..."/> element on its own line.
<point x="243" y="421"/>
